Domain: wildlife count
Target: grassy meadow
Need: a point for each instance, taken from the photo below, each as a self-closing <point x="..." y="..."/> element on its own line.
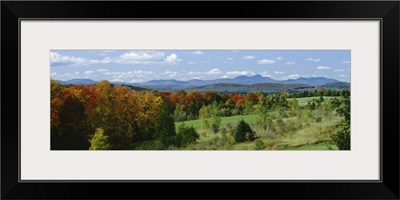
<point x="311" y="136"/>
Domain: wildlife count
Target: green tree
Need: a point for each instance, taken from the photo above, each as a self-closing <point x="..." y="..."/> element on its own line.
<point x="99" y="141"/>
<point x="179" y="113"/>
<point x="185" y="135"/>
<point x="243" y="132"/>
<point x="165" y="128"/>
<point x="342" y="136"/>
<point x="209" y="118"/>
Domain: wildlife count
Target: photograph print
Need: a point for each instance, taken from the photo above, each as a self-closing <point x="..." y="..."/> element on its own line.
<point x="200" y="99"/>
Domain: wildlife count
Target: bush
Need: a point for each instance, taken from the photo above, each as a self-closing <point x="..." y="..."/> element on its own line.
<point x="342" y="137"/>
<point x="185" y="135"/>
<point x="243" y="132"/>
<point x="259" y="145"/>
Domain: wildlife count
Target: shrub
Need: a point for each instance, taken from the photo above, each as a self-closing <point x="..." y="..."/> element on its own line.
<point x="259" y="145"/>
<point x="185" y="135"/>
<point x="342" y="136"/>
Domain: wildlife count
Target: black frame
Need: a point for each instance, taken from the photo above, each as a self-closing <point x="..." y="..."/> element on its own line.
<point x="386" y="11"/>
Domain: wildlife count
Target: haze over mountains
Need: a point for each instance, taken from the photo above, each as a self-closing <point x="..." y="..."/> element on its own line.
<point x="242" y="80"/>
<point x="238" y="84"/>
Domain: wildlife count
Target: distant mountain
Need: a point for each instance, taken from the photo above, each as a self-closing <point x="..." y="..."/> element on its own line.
<point x="313" y="81"/>
<point x="241" y="80"/>
<point x="165" y="82"/>
<point x="237" y="82"/>
<point x="76" y="82"/>
<point x="250" y="80"/>
<point x="337" y="85"/>
<point x="237" y="88"/>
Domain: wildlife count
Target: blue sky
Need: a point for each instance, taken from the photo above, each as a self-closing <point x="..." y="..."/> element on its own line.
<point x="139" y="66"/>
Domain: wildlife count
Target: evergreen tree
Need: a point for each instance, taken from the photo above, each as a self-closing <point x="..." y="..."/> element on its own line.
<point x="243" y="132"/>
<point x="165" y="128"/>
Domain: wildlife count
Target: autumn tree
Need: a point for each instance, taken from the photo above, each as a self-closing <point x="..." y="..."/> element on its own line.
<point x="99" y="141"/>
<point x="73" y="127"/>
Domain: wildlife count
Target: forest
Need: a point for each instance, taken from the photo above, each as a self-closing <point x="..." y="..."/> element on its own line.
<point x="105" y="116"/>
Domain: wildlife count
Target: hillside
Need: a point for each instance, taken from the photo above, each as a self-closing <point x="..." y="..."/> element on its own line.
<point x="337" y="85"/>
<point x="237" y="88"/>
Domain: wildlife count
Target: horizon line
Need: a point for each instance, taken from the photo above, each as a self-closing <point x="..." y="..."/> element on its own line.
<point x="201" y="79"/>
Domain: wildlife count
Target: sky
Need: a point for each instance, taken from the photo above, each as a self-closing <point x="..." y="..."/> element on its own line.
<point x="133" y="66"/>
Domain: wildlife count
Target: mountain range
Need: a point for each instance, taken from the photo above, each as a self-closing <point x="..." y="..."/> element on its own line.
<point x="237" y="83"/>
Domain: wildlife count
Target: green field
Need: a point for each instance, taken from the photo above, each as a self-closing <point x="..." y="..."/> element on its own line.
<point x="303" y="101"/>
<point x="314" y="136"/>
<point x="224" y="121"/>
<point x="320" y="146"/>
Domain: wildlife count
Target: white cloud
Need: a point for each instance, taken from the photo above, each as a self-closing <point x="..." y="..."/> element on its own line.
<point x="102" y="70"/>
<point x="323" y="67"/>
<point x="229" y="58"/>
<point x="136" y="80"/>
<point x="173" y="58"/>
<point x="229" y="62"/>
<point x="64" y="77"/>
<point x="194" y="73"/>
<point x="77" y="73"/>
<point x="171" y="73"/>
<point x="313" y="59"/>
<point x="224" y="76"/>
<point x="128" y="76"/>
<point x="58" y="59"/>
<point x="265" y="74"/>
<point x="346" y="62"/>
<point x="144" y="57"/>
<point x="266" y="61"/>
<point x="237" y="73"/>
<point x="280" y="72"/>
<point x="102" y="54"/>
<point x="139" y="55"/>
<point x="339" y="70"/>
<point x="104" y="60"/>
<point x="89" y="72"/>
<point x="197" y="77"/>
<point x="289" y="63"/>
<point x="53" y="74"/>
<point x="197" y="53"/>
<point x="342" y="75"/>
<point x="248" y="57"/>
<point x="133" y="57"/>
<point x="214" y="71"/>
<point x="191" y="63"/>
<point x="291" y="76"/>
<point x="278" y="58"/>
<point x="140" y="72"/>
